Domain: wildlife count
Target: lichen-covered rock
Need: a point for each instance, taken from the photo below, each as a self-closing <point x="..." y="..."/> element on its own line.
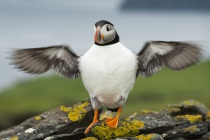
<point x="142" y="137"/>
<point x="187" y="131"/>
<point x="59" y="122"/>
<point x="130" y="127"/>
<point x="189" y="120"/>
<point x="189" y="107"/>
<point x="156" y="122"/>
<point x="125" y="128"/>
<point x="208" y="116"/>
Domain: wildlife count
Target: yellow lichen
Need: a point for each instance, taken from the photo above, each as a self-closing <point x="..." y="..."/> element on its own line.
<point x="127" y="119"/>
<point x="173" y="108"/>
<point x="14" y="138"/>
<point x="145" y="111"/>
<point x="90" y="138"/>
<point x="65" y="109"/>
<point x="103" y="132"/>
<point x="119" y="131"/>
<point x="145" y="137"/>
<point x="137" y="124"/>
<point x="77" y="112"/>
<point x="190" y="102"/>
<point x="191" y="129"/>
<point x="190" y="118"/>
<point x="37" y="118"/>
<point x="208" y="115"/>
<point x="125" y="128"/>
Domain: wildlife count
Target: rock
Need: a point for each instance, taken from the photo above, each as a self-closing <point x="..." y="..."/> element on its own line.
<point x="189" y="120"/>
<point x="189" y="107"/>
<point x="58" y="122"/>
<point x="187" y="131"/>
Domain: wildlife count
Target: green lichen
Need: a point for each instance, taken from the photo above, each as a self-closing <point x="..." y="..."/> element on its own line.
<point x="145" y="137"/>
<point x="14" y="138"/>
<point x="125" y="128"/>
<point x="77" y="112"/>
<point x="190" y="118"/>
<point x="191" y="129"/>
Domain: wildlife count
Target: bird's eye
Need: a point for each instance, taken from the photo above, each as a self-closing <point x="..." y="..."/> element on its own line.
<point x="107" y="28"/>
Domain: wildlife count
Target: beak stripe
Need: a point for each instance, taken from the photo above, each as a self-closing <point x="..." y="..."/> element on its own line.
<point x="95" y="36"/>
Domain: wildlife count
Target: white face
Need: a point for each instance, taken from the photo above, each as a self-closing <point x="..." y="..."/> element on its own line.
<point x="104" y="34"/>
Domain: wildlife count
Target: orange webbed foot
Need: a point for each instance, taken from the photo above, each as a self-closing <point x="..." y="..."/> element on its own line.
<point x="112" y="122"/>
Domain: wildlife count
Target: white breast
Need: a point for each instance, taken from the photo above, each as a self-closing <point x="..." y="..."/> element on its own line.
<point x="108" y="72"/>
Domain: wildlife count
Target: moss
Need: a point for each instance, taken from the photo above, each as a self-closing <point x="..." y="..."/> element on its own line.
<point x="191" y="129"/>
<point x="37" y="118"/>
<point x="90" y="138"/>
<point x="145" y="137"/>
<point x="77" y="112"/>
<point x="14" y="138"/>
<point x="125" y="128"/>
<point x="190" y="118"/>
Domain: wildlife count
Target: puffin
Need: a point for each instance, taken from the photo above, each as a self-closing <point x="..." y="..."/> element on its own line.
<point x="108" y="69"/>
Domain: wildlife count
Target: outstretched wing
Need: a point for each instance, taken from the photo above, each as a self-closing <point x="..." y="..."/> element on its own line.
<point x="39" y="60"/>
<point x="173" y="55"/>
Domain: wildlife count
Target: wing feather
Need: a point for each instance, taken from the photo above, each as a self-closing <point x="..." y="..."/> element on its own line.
<point x="173" y="55"/>
<point x="39" y="60"/>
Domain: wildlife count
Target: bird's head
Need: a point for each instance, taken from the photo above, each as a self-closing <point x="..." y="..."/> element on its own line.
<point x="105" y="33"/>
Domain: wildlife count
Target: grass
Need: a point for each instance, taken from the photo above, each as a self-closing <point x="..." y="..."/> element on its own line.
<point x="42" y="94"/>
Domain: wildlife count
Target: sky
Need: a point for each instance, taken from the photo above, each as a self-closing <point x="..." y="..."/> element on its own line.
<point x="29" y="24"/>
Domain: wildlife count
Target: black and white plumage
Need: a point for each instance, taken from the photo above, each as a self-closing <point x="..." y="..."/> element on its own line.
<point x="108" y="69"/>
<point x="39" y="60"/>
<point x="173" y="55"/>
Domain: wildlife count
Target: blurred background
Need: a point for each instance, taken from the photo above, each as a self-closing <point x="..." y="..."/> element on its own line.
<point x="28" y="24"/>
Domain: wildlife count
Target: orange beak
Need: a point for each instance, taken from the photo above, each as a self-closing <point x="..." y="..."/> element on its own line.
<point x="96" y="35"/>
